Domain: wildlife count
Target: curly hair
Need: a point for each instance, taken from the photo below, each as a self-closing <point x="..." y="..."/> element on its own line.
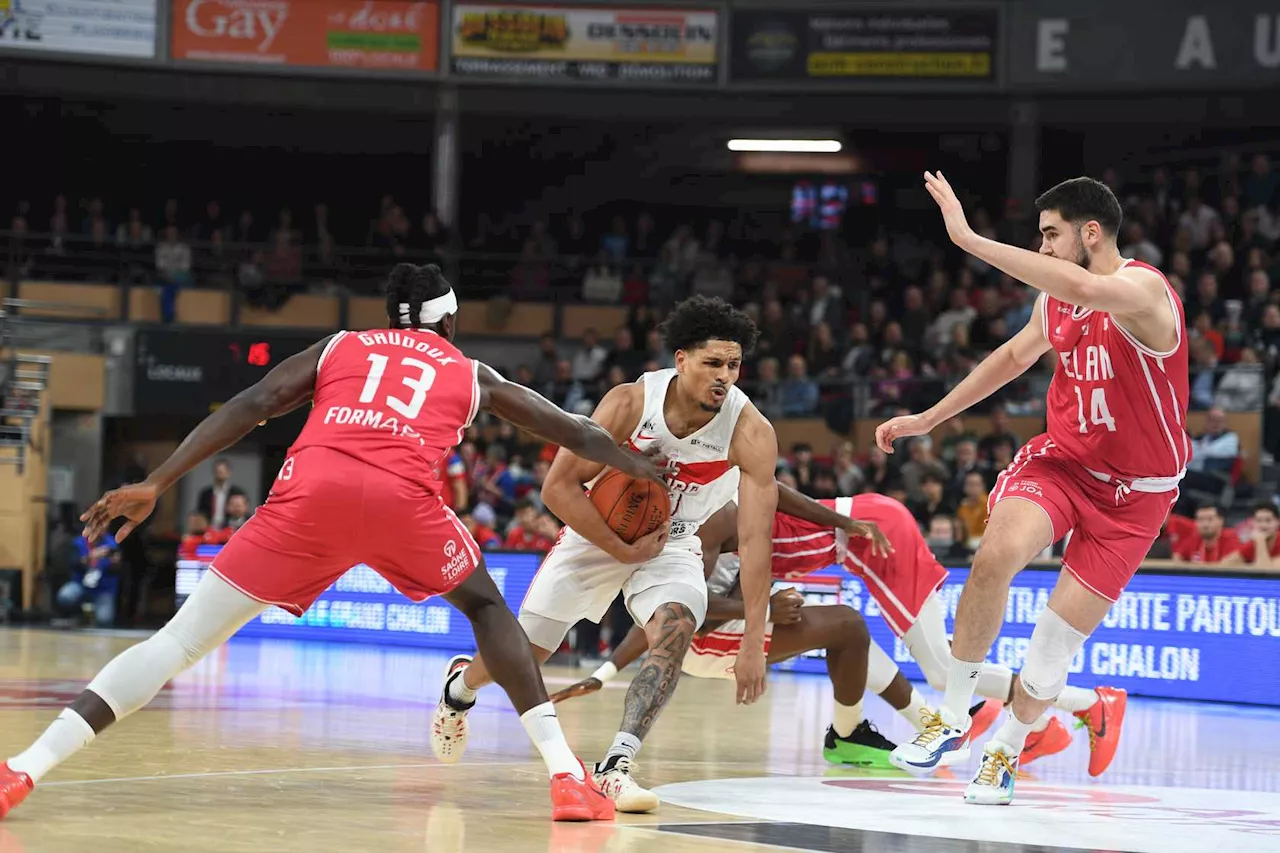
<point x="413" y="285"/>
<point x="699" y="319"/>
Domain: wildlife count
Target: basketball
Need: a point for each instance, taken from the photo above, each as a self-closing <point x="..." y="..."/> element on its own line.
<point x="633" y="508"/>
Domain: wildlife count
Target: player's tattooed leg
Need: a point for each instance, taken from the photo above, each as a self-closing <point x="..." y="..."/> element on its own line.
<point x="670" y="631"/>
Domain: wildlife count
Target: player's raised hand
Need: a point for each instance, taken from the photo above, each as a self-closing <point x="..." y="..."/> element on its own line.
<point x="749" y="671"/>
<point x="134" y="502"/>
<point x="585" y="687"/>
<point x="880" y="544"/>
<point x="902" y="426"/>
<point x="952" y="212"/>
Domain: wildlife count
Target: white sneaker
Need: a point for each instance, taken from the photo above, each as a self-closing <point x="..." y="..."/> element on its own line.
<point x="940" y="744"/>
<point x="993" y="785"/>
<point x="613" y="777"/>
<point x="449" y="723"/>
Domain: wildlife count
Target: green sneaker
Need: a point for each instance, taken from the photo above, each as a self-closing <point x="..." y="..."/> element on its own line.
<point x="866" y="747"/>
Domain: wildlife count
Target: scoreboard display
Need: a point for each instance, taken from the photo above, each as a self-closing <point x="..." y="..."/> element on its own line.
<point x="192" y="372"/>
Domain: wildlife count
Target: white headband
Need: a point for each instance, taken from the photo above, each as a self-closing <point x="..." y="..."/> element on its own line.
<point x="432" y="311"/>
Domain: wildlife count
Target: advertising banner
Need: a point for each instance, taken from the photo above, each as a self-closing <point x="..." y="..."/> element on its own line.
<point x="90" y="27"/>
<point x="1175" y="635"/>
<point x="1173" y="45"/>
<point x="365" y="34"/>
<point x="640" y="45"/>
<point x="876" y="44"/>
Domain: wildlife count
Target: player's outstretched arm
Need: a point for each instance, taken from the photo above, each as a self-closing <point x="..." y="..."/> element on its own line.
<point x="632" y="647"/>
<point x="616" y="417"/>
<point x="755" y="451"/>
<point x="284" y="389"/>
<point x="804" y="507"/>
<point x="1127" y="292"/>
<point x="1009" y="361"/>
<point x="581" y="436"/>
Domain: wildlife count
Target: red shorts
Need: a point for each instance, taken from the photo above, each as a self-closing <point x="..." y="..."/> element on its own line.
<point x="328" y="512"/>
<point x="1111" y="532"/>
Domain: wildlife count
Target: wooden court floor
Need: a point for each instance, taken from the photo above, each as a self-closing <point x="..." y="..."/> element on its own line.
<point x="279" y="745"/>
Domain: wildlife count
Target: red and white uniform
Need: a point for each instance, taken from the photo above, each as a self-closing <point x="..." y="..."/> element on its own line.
<point x="1108" y="468"/>
<point x="361" y="483"/>
<point x="900" y="582"/>
<point x="577" y="580"/>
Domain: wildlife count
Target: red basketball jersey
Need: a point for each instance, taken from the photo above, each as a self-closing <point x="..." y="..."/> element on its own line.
<point x="802" y="547"/>
<point x="395" y="399"/>
<point x="1115" y="405"/>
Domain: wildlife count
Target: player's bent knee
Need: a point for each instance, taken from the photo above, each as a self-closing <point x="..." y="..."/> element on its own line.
<point x="850" y="626"/>
<point x="542" y="632"/>
<point x="1053" y="645"/>
<point x="673" y="626"/>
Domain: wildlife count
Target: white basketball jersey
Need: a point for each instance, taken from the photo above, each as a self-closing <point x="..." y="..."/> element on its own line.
<point x="699" y="477"/>
<point x="724" y="575"/>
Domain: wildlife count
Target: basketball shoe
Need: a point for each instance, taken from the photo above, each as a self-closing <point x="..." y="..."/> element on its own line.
<point x="864" y="747"/>
<point x="14" y="788"/>
<point x="613" y="775"/>
<point x="449" y="723"/>
<point x="941" y="744"/>
<point x="984" y="714"/>
<point x="993" y="784"/>
<point x="1103" y="720"/>
<point x="1051" y="740"/>
<point x="580" y="799"/>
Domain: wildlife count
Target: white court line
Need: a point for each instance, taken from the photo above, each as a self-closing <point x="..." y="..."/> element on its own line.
<point x="280" y="771"/>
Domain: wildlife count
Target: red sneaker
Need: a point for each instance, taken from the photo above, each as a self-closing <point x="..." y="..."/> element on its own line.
<point x="1051" y="741"/>
<point x="579" y="799"/>
<point x="1103" y="720"/>
<point x="14" y="788"/>
<point x="983" y="716"/>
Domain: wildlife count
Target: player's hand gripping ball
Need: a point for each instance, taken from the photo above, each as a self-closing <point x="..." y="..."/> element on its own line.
<point x="632" y="508"/>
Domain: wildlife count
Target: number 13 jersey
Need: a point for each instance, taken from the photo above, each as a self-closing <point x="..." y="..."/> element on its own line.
<point x="395" y="399"/>
<point x="1115" y="405"/>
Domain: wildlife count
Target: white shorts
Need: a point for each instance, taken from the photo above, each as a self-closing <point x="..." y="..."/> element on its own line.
<point x="712" y="655"/>
<point x="577" y="580"/>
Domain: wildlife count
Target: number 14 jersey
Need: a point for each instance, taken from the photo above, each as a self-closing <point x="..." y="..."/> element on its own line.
<point x="395" y="399"/>
<point x="1115" y="405"/>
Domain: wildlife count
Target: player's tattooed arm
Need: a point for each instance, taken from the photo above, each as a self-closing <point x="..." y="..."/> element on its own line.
<point x="587" y="439"/>
<point x="669" y="632"/>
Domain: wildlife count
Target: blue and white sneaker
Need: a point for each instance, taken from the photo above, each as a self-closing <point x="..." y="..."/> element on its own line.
<point x="940" y="744"/>
<point x="993" y="785"/>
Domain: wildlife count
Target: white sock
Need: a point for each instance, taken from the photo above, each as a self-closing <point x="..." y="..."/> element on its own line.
<point x="544" y="730"/>
<point x="962" y="681"/>
<point x="1013" y="733"/>
<point x="66" y="736"/>
<point x="846" y="718"/>
<point x="458" y="691"/>
<point x="1073" y="699"/>
<point x="913" y="710"/>
<point x="1040" y="724"/>
<point x="624" y="745"/>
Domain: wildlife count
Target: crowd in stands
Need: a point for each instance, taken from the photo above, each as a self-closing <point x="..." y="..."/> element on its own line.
<point x="852" y="325"/>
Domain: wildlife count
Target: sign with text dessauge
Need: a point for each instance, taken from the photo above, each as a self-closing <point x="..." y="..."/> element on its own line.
<point x="1177" y="636"/>
<point x="644" y="45"/>
<point x="125" y="28"/>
